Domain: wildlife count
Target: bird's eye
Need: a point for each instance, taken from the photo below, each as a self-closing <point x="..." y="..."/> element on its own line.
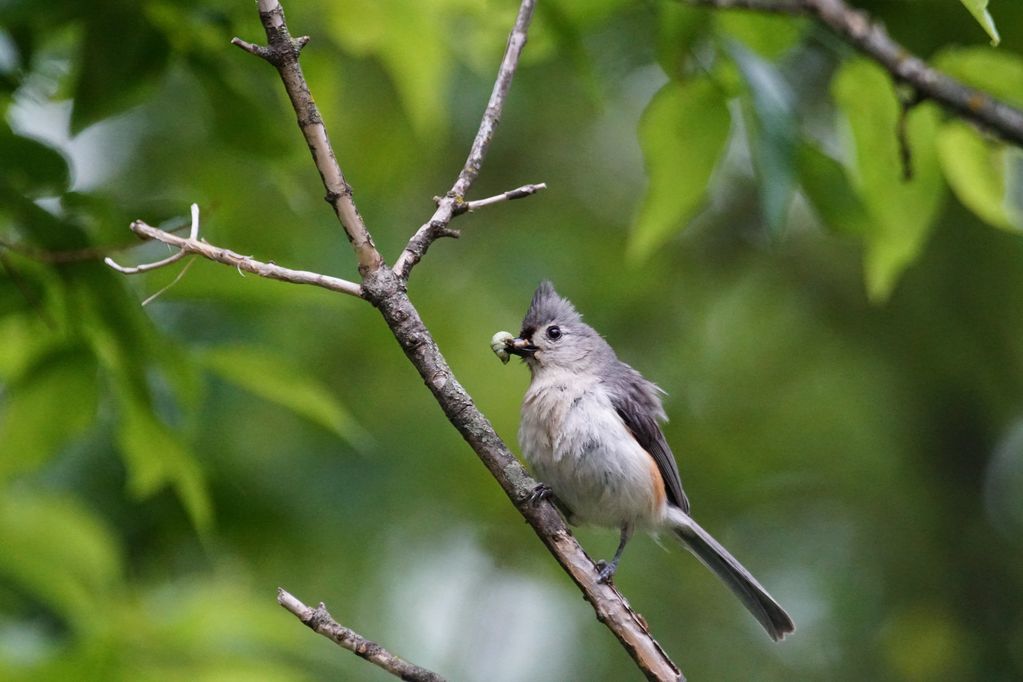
<point x="554" y="332"/>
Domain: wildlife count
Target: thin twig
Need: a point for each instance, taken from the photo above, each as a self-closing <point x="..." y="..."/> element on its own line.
<point x="282" y="51"/>
<point x="320" y="621"/>
<point x="869" y="37"/>
<point x="517" y="193"/>
<point x="193" y="235"/>
<point x="192" y="244"/>
<point x="437" y="225"/>
<point x="163" y="289"/>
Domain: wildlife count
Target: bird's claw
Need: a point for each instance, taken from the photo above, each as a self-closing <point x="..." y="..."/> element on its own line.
<point x="605" y="571"/>
<point x="541" y="492"/>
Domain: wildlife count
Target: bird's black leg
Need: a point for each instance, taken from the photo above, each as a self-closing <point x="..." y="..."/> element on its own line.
<point x="607" y="570"/>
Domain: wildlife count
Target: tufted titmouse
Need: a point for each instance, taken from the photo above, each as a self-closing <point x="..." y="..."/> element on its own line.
<point x="590" y="431"/>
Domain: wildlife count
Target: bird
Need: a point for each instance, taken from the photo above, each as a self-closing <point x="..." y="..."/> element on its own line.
<point x="590" y="431"/>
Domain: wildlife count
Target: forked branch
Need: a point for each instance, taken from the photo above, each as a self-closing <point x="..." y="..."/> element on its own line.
<point x="449" y="205"/>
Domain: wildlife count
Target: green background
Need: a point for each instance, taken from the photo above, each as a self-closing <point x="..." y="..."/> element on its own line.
<point x="841" y="349"/>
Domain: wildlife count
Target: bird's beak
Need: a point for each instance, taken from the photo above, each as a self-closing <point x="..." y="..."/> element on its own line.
<point x="521" y="347"/>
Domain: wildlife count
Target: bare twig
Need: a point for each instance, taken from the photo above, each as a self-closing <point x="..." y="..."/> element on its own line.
<point x="320" y="621"/>
<point x="869" y="37"/>
<point x="447" y="208"/>
<point x="163" y="289"/>
<point x="193" y="244"/>
<point x="517" y="193"/>
<point x="193" y="235"/>
<point x="282" y="52"/>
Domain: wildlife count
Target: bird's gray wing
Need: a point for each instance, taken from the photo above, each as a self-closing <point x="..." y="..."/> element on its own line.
<point x="636" y="402"/>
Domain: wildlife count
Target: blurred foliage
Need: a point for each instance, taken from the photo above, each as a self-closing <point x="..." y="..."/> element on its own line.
<point x="841" y="346"/>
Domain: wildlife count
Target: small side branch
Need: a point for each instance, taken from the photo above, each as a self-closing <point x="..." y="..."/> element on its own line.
<point x="320" y="621"/>
<point x="447" y="208"/>
<point x="517" y="193"/>
<point x="868" y="36"/>
<point x="192" y="244"/>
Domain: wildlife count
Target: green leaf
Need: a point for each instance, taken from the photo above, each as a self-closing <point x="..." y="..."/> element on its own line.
<point x="121" y="53"/>
<point x="26" y="337"/>
<point x="826" y="185"/>
<point x="156" y="457"/>
<point x="996" y="72"/>
<point x="678" y="26"/>
<point x="902" y="211"/>
<point x="58" y="550"/>
<point x="977" y="170"/>
<point x="683" y="134"/>
<point x="978" y="8"/>
<point x="588" y="14"/>
<point x="31" y="167"/>
<point x="772" y="134"/>
<point x="36" y="422"/>
<point x="272" y="377"/>
<point x="408" y="37"/>
<point x="767" y="35"/>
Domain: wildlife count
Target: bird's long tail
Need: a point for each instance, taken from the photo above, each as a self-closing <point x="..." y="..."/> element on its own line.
<point x="715" y="557"/>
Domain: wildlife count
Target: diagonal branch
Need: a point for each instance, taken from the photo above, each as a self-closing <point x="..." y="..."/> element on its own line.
<point x="282" y="51"/>
<point x="319" y="620"/>
<point x="385" y="289"/>
<point x="869" y="37"/>
<point x="449" y="205"/>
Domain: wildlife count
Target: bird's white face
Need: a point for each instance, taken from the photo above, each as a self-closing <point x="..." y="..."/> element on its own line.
<point x="554" y="336"/>
<point x="566" y="345"/>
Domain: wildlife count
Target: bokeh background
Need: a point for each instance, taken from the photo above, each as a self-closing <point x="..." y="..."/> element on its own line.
<point x="842" y="350"/>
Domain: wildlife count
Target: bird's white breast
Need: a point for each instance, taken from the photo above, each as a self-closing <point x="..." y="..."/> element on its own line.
<point x="578" y="445"/>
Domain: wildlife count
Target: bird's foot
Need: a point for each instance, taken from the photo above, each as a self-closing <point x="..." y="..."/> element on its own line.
<point x="605" y="571"/>
<point x="541" y="492"/>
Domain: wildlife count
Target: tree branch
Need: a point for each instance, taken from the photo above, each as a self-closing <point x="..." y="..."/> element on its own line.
<point x="193" y="244"/>
<point x="385" y="288"/>
<point x="319" y="620"/>
<point x="517" y="193"/>
<point x="282" y="52"/>
<point x="448" y="207"/>
<point x="869" y="37"/>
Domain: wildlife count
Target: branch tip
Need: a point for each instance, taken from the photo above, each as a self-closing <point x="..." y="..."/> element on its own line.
<point x="251" y="48"/>
<point x="321" y="622"/>
<point x="195" y="244"/>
